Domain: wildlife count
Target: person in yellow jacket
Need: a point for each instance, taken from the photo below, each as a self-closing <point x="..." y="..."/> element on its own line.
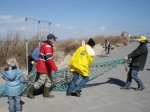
<point x="80" y="65"/>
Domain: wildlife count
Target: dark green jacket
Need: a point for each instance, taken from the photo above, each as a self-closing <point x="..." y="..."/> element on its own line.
<point x="139" y="57"/>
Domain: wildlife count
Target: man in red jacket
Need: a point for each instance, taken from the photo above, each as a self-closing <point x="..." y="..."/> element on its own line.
<point x="45" y="65"/>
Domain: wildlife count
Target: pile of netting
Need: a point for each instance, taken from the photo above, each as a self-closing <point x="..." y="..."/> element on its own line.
<point x="62" y="78"/>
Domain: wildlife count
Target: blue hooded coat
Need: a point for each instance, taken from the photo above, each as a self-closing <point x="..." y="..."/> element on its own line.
<point x="13" y="78"/>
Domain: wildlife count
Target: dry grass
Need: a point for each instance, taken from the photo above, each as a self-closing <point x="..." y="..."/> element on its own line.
<point x="67" y="46"/>
<point x="112" y="39"/>
<point x="14" y="44"/>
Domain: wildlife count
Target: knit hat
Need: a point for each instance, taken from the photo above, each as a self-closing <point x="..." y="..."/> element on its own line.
<point x="91" y="42"/>
<point x="142" y="38"/>
<point x="51" y="36"/>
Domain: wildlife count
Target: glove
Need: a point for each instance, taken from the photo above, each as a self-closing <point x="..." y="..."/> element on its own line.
<point x="32" y="62"/>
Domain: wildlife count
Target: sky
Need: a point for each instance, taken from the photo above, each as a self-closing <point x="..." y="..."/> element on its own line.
<point x="76" y="18"/>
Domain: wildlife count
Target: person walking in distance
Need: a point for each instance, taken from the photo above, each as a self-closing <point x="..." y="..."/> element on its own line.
<point x="107" y="46"/>
<point x="45" y="65"/>
<point x="80" y="65"/>
<point x="14" y="77"/>
<point x="139" y="57"/>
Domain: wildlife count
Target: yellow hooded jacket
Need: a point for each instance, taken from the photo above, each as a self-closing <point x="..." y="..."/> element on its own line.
<point x="82" y="59"/>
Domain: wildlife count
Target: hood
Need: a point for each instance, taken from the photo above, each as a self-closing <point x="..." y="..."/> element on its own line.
<point x="11" y="75"/>
<point x="89" y="50"/>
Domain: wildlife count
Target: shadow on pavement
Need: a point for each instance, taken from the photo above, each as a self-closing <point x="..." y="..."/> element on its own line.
<point x="111" y="81"/>
<point x="102" y="56"/>
<point x="148" y="69"/>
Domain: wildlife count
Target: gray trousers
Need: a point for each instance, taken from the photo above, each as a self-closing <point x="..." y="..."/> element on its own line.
<point x="43" y="79"/>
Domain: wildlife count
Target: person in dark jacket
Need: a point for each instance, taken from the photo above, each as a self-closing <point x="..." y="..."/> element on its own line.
<point x="139" y="57"/>
<point x="14" y="78"/>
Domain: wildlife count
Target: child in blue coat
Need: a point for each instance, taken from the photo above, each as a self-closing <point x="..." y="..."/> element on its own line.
<point x="14" y="77"/>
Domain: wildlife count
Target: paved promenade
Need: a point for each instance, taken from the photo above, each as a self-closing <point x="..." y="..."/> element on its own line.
<point x="102" y="95"/>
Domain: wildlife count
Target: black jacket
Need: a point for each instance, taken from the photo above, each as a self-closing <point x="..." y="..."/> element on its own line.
<point x="139" y="57"/>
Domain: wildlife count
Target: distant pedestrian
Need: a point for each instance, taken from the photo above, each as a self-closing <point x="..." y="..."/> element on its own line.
<point x="80" y="65"/>
<point x="107" y="46"/>
<point x="45" y="65"/>
<point x="139" y="57"/>
<point x="14" y="77"/>
<point x="125" y="43"/>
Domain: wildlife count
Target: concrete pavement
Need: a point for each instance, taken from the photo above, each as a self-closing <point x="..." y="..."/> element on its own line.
<point x="102" y="94"/>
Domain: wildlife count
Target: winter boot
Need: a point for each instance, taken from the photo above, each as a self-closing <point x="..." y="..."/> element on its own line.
<point x="30" y="92"/>
<point x="46" y="93"/>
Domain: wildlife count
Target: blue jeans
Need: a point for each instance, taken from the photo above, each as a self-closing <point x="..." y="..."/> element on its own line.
<point x="14" y="103"/>
<point x="133" y="74"/>
<point x="72" y="85"/>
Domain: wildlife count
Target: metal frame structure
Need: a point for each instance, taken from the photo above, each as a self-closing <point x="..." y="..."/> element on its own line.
<point x="26" y="35"/>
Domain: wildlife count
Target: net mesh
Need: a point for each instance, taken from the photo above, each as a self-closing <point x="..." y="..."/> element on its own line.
<point x="62" y="78"/>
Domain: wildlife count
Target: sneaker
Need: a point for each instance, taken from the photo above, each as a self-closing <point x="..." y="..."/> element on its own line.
<point x="139" y="89"/>
<point x="125" y="88"/>
<point x="77" y="92"/>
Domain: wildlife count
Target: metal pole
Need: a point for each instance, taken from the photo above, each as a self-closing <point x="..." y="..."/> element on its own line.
<point x="38" y="20"/>
<point x="39" y="31"/>
<point x="26" y="44"/>
<point x="49" y="28"/>
<point x="26" y="28"/>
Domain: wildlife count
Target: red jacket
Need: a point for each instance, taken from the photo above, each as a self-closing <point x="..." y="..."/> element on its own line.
<point x="45" y="63"/>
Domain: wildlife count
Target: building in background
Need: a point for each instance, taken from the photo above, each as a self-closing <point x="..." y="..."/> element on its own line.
<point x="125" y="34"/>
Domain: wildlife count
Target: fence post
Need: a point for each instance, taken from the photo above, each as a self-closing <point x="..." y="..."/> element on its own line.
<point x="26" y="44"/>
